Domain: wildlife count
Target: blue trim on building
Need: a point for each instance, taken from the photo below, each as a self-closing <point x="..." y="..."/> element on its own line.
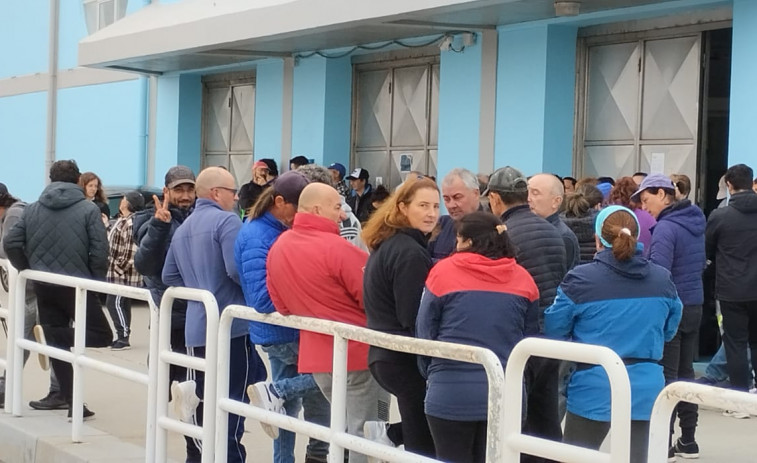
<point x="269" y="95"/>
<point x="742" y="119"/>
<point x="22" y="144"/>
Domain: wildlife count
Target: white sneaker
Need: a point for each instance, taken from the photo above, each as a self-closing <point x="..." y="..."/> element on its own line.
<point x="261" y="395"/>
<point x="39" y="335"/>
<point x="376" y="431"/>
<point x="184" y="400"/>
<point x="735" y="414"/>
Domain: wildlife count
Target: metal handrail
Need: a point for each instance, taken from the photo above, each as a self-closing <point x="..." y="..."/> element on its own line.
<point x="77" y="357"/>
<point x="343" y="332"/>
<point x="166" y="357"/>
<point x="700" y="394"/>
<point x="620" y="393"/>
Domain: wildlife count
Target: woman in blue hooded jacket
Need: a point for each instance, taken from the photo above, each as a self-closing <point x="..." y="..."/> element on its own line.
<point x="478" y="296"/>
<point x="624" y="302"/>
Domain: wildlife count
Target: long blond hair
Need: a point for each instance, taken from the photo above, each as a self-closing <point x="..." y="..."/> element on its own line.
<point x="388" y="219"/>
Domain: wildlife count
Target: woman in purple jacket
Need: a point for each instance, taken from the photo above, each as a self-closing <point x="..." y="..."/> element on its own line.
<point x="678" y="245"/>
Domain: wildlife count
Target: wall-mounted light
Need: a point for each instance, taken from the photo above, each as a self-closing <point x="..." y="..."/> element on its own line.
<point x="564" y="8"/>
<point x="446" y="43"/>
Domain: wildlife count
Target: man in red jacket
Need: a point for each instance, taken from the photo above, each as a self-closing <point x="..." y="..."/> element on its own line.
<point x="330" y="287"/>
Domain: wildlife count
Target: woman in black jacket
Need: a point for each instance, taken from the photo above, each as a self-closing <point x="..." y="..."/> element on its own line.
<point x="397" y="235"/>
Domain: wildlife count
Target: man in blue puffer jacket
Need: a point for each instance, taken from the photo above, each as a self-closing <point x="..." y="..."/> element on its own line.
<point x="678" y="245"/>
<point x="270" y="216"/>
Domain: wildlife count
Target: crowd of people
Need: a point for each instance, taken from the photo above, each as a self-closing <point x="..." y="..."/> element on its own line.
<point x="612" y="262"/>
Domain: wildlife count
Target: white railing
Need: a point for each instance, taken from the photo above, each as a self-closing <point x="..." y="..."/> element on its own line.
<point x="336" y="435"/>
<point x="8" y="315"/>
<point x="78" y="358"/>
<point x="208" y="364"/>
<point x="620" y="394"/>
<point x="700" y="394"/>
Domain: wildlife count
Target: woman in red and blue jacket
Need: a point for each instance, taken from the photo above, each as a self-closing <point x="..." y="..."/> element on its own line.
<point x="478" y="296"/>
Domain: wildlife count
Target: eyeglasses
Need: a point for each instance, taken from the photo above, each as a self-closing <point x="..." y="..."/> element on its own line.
<point x="231" y="190"/>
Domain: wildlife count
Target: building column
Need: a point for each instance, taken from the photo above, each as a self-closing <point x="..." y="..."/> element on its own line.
<point x="743" y="112"/>
<point x="535" y="98"/>
<point x="179" y="124"/>
<point x="322" y="109"/>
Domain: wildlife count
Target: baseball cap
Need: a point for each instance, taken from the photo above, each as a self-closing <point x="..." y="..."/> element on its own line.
<point x="359" y="174"/>
<point x="339" y="168"/>
<point x="136" y="200"/>
<point x="289" y="185"/>
<point x="722" y="189"/>
<point x="653" y="181"/>
<point x="605" y="188"/>
<point x="178" y="175"/>
<point x="3" y="189"/>
<point x="507" y="180"/>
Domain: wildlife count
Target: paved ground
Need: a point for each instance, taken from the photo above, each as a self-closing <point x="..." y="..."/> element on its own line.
<point x="120" y="409"/>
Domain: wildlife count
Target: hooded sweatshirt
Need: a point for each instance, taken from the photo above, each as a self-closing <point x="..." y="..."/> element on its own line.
<point x="678" y="245"/>
<point x="732" y="246"/>
<point x="471" y="299"/>
<point x="61" y="233"/>
<point x="629" y="306"/>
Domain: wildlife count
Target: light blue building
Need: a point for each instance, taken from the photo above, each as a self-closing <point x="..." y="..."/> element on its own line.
<point x="582" y="88"/>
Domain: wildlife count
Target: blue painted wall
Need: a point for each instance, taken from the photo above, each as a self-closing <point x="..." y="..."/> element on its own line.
<point x="309" y="108"/>
<point x="269" y="94"/>
<point x="743" y="117"/>
<point x="338" y="118"/>
<point x="167" y="142"/>
<point x="559" y="118"/>
<point x="103" y="138"/>
<point x="23" y="37"/>
<point x="22" y="144"/>
<point x="535" y="98"/>
<point x="189" y="143"/>
<point x="73" y="28"/>
<point x="459" y="109"/>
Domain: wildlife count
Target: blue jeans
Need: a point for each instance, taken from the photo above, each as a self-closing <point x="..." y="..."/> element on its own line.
<point x="717" y="369"/>
<point x="298" y="391"/>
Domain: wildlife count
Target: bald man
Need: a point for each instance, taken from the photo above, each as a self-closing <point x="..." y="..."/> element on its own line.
<point x="545" y="196"/>
<point x="329" y="287"/>
<point x="201" y="256"/>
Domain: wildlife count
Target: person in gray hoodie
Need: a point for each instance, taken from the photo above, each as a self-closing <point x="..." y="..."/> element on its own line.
<point x="63" y="233"/>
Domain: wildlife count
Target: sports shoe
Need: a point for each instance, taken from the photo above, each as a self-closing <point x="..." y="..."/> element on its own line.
<point x="376" y="431"/>
<point x="87" y="415"/>
<point x="120" y="344"/>
<point x="39" y="335"/>
<point x="184" y="400"/>
<point x="52" y="401"/>
<point x="735" y="414"/>
<point x="688" y="451"/>
<point x="262" y="395"/>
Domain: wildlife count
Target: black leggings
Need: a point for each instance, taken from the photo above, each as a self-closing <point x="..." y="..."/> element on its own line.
<point x="401" y="377"/>
<point x="590" y="434"/>
<point x="458" y="441"/>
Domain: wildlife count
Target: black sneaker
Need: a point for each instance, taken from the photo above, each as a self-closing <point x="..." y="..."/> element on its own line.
<point x="688" y="450"/>
<point x="120" y="344"/>
<point x="672" y="455"/>
<point x="53" y="401"/>
<point x="88" y="414"/>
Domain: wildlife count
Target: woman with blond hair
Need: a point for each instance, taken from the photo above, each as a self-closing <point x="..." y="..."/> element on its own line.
<point x="625" y="302"/>
<point x="395" y="274"/>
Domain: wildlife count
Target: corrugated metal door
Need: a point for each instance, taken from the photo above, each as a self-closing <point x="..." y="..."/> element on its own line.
<point x="228" y="127"/>
<point x="396" y="119"/>
<point x="642" y="107"/>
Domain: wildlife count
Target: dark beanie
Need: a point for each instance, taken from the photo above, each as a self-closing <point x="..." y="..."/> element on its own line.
<point x="136" y="200"/>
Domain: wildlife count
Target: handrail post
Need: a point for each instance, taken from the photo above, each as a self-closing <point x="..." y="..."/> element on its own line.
<point x="152" y="385"/>
<point x="17" y="376"/>
<point x="11" y="349"/>
<point x="496" y="413"/>
<point x="222" y="416"/>
<point x="210" y="391"/>
<point x="338" y="396"/>
<point x="80" y="331"/>
<point x="161" y="394"/>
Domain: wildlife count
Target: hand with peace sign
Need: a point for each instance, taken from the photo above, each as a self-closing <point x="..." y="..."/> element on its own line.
<point x="161" y="210"/>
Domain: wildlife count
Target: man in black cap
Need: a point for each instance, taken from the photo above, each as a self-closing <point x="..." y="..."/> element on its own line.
<point x="153" y="231"/>
<point x="541" y="251"/>
<point x="121" y="266"/>
<point x="63" y="233"/>
<point x="360" y="196"/>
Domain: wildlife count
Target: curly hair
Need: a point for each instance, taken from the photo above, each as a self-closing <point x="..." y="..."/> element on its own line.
<point x="87" y="177"/>
<point x="621" y="193"/>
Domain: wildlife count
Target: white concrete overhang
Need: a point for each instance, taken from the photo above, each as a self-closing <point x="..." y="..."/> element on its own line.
<point x="197" y="34"/>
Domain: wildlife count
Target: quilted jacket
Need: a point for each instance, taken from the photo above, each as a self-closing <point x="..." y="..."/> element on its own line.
<point x="61" y="233"/>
